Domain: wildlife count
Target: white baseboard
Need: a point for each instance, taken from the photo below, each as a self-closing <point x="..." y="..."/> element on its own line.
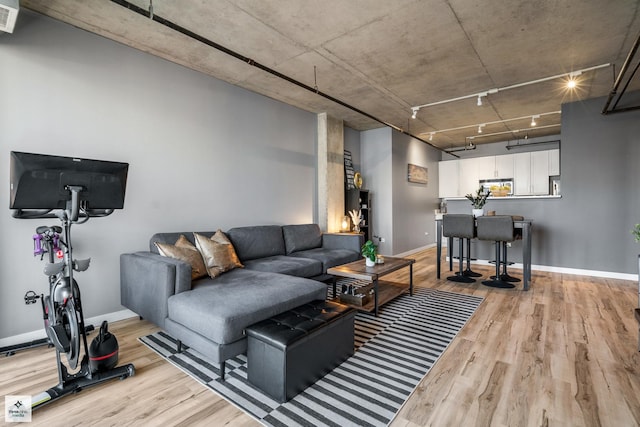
<point x="413" y="251"/>
<point x="40" y="334"/>
<point x="563" y="270"/>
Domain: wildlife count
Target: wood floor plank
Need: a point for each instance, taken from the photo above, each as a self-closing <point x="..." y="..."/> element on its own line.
<point x="564" y="353"/>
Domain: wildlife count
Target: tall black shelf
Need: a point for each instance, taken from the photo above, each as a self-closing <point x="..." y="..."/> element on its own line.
<point x="360" y="199"/>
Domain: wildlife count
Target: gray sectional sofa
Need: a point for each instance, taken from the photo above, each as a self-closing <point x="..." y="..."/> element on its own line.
<point x="284" y="267"/>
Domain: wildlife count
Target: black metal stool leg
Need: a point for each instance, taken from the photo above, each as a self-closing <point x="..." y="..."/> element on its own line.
<point x="497" y="283"/>
<point x="468" y="272"/>
<point x="460" y="277"/>
<point x="505" y="277"/>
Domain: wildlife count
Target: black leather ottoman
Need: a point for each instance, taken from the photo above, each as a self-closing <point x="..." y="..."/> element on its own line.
<point x="290" y="351"/>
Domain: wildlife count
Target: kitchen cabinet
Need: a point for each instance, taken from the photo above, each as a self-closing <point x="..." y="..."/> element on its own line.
<point x="495" y="167"/>
<point x="521" y="174"/>
<point x="448" y="179"/>
<point x="531" y="173"/>
<point x="469" y="176"/>
<point x="539" y="172"/>
<point x="504" y="166"/>
<point x="554" y="162"/>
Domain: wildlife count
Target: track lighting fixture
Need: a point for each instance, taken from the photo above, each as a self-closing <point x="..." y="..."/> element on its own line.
<point x="515" y="131"/>
<point x="479" y="95"/>
<point x="414" y="113"/>
<point x="480" y="127"/>
<point x="431" y="136"/>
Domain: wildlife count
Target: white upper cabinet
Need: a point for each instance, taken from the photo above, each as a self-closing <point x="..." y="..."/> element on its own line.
<point x="495" y="167"/>
<point x="521" y="174"/>
<point x="531" y="173"/>
<point x="540" y="172"/>
<point x="448" y="179"/>
<point x="554" y="162"/>
<point x="504" y="166"/>
<point x="469" y="176"/>
<point x="486" y="167"/>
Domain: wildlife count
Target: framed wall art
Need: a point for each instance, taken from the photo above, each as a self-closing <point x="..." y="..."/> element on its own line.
<point x="417" y="174"/>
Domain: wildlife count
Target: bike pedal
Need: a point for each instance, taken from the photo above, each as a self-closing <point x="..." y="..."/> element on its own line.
<point x="30" y="297"/>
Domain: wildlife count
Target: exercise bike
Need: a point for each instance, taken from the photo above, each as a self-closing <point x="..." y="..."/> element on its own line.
<point x="62" y="307"/>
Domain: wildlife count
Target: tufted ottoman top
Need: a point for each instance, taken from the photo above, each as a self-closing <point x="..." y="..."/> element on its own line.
<point x="286" y="328"/>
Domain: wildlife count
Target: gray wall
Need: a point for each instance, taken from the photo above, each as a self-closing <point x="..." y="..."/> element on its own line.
<point x="402" y="211"/>
<point x="413" y="204"/>
<point x="352" y="143"/>
<point x="375" y="152"/>
<point x="203" y="154"/>
<point x="589" y="227"/>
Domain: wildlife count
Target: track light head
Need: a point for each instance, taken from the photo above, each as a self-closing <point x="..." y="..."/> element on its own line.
<point x="414" y="113"/>
<point x="533" y="120"/>
<point x="572" y="82"/>
<point x="479" y="100"/>
<point x="431" y="136"/>
<point x="480" y="128"/>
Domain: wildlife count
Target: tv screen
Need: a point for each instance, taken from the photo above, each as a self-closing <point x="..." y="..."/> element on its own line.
<point x="40" y="181"/>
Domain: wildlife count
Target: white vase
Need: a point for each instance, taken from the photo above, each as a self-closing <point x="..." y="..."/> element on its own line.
<point x="368" y="262"/>
<point x="477" y="212"/>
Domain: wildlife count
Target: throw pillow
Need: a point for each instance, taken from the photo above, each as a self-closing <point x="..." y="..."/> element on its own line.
<point x="184" y="250"/>
<point x="218" y="253"/>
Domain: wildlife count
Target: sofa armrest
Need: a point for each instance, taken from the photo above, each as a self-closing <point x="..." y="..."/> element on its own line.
<point x="349" y="241"/>
<point x="147" y="281"/>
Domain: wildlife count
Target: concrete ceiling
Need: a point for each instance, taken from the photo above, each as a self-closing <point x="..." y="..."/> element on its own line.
<point x="383" y="57"/>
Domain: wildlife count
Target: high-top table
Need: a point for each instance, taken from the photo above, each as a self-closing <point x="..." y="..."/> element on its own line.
<point x="523" y="224"/>
<point x="383" y="291"/>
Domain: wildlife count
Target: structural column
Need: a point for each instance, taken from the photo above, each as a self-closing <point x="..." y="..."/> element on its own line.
<point x="330" y="172"/>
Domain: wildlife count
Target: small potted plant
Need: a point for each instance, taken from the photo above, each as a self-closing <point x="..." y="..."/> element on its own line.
<point x="478" y="201"/>
<point x="369" y="252"/>
<point x="636" y="233"/>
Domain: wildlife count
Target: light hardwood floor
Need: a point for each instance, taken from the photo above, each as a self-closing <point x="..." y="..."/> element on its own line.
<point x="564" y="353"/>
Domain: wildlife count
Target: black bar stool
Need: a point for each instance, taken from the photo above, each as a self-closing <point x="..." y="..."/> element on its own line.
<point x="463" y="227"/>
<point x="517" y="235"/>
<point x="498" y="228"/>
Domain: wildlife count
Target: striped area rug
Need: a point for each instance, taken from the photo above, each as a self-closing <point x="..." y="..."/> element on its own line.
<point x="394" y="351"/>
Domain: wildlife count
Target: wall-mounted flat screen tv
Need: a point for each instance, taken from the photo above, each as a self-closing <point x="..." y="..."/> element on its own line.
<point x="41" y="181"/>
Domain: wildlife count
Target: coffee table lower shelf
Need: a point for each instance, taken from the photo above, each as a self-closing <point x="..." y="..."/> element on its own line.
<point x="386" y="292"/>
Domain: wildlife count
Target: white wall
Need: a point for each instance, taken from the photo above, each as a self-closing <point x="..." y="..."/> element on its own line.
<point x="203" y="154"/>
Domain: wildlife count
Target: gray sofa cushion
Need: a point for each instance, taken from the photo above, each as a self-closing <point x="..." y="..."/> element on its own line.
<point x="220" y="309"/>
<point x="257" y="241"/>
<point x="329" y="257"/>
<point x="301" y="237"/>
<point x="294" y="266"/>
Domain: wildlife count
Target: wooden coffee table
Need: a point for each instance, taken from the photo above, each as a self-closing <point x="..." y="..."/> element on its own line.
<point x="383" y="290"/>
